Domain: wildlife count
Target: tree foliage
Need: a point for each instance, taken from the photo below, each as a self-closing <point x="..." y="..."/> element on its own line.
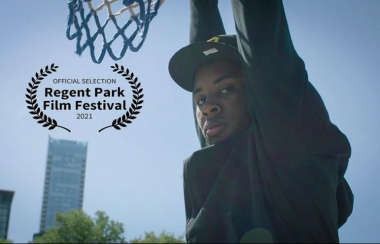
<point x="164" y="237"/>
<point x="5" y="241"/>
<point x="77" y="227"/>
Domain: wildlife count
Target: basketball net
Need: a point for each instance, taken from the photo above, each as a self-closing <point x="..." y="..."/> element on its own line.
<point x="82" y="12"/>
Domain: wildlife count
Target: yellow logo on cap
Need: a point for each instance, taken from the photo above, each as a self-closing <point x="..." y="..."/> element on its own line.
<point x="214" y="39"/>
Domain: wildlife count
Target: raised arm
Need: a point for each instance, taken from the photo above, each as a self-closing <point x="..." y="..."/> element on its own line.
<point x="285" y="105"/>
<point x="205" y="20"/>
<point x="263" y="35"/>
<point x="288" y="113"/>
<point x="275" y="74"/>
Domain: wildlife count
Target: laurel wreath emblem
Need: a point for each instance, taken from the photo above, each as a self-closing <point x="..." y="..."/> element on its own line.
<point x="136" y="102"/>
<point x="32" y="96"/>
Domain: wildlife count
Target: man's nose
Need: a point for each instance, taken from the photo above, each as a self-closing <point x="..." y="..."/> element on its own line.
<point x="210" y="108"/>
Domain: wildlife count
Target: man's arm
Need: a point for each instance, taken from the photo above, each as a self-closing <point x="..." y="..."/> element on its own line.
<point x="287" y="110"/>
<point x="285" y="105"/>
<point x="275" y="74"/>
<point x="205" y="20"/>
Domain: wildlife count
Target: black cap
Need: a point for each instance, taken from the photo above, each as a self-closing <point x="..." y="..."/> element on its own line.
<point x="185" y="62"/>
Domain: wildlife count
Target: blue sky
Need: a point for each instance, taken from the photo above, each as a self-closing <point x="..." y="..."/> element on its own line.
<point x="135" y="175"/>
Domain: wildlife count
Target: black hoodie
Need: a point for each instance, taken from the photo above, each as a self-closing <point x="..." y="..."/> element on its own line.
<point x="282" y="180"/>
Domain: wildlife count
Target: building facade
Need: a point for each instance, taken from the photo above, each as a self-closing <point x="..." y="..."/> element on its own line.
<point x="6" y="198"/>
<point x="64" y="179"/>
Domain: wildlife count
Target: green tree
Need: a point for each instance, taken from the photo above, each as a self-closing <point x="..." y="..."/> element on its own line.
<point x="5" y="241"/>
<point x="77" y="227"/>
<point x="106" y="231"/>
<point x="164" y="237"/>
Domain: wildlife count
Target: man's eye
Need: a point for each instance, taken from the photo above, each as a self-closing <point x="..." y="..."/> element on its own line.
<point x="201" y="101"/>
<point x="226" y="90"/>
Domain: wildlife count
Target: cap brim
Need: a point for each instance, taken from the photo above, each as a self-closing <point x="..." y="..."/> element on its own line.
<point x="185" y="62"/>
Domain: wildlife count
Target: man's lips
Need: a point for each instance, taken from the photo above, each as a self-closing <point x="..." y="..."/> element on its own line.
<point x="213" y="129"/>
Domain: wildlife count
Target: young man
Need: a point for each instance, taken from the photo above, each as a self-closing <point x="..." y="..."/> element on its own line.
<point x="272" y="164"/>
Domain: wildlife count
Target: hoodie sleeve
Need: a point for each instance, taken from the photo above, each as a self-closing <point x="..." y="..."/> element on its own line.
<point x="289" y="116"/>
<point x="205" y="20"/>
<point x="275" y="74"/>
<point x="285" y="105"/>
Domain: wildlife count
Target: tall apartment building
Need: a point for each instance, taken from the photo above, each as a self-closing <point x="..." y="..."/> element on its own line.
<point x="64" y="179"/>
<point x="6" y="198"/>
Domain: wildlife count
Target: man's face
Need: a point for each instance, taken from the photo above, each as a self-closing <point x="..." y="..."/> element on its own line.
<point x="221" y="100"/>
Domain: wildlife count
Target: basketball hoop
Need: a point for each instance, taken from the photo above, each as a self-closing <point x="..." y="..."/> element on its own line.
<point x="82" y="12"/>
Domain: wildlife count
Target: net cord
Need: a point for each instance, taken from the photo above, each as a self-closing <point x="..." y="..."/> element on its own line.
<point x="82" y="30"/>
